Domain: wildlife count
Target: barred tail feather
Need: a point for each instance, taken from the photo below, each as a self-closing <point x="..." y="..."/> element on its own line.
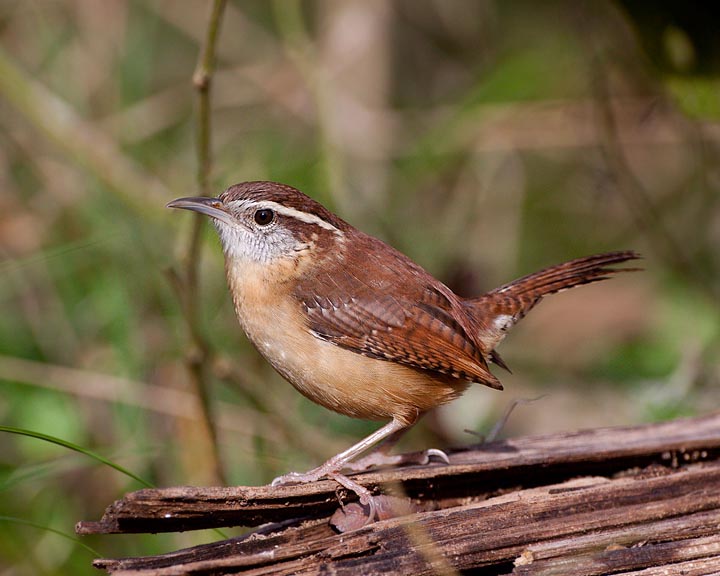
<point x="498" y="311"/>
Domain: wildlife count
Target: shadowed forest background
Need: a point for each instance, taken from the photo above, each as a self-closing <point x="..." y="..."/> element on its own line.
<point x="484" y="139"/>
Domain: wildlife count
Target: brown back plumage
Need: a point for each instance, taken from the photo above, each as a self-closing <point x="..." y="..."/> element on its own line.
<point x="377" y="302"/>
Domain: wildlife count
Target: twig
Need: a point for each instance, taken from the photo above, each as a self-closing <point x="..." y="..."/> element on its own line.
<point x="202" y="78"/>
<point x="199" y="357"/>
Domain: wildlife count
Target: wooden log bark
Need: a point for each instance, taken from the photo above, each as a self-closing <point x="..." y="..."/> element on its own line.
<point x="620" y="501"/>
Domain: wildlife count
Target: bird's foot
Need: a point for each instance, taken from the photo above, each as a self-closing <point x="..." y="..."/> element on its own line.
<point x="300" y="477"/>
<point x="363" y="494"/>
<point x="366" y="498"/>
<point x="381" y="460"/>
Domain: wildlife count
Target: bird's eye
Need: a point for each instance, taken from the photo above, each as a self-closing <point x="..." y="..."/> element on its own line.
<point x="264" y="216"/>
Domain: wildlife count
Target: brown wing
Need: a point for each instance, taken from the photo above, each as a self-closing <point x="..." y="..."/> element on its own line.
<point x="391" y="309"/>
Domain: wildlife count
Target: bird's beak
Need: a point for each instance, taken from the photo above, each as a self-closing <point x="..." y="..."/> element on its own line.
<point x="212" y="207"/>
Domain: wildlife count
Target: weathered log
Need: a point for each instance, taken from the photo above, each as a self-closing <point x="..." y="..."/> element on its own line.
<point x="596" y="502"/>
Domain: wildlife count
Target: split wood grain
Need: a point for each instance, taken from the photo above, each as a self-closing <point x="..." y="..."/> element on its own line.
<point x="588" y="526"/>
<point x="473" y="474"/>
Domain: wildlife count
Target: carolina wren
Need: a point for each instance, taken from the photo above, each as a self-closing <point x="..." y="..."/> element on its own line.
<point x="355" y="325"/>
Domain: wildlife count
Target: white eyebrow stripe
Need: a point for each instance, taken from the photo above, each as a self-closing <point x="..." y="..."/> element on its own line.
<point x="300" y="215"/>
<point x="292" y="213"/>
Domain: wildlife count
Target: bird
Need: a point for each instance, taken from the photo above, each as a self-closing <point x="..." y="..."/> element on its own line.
<point x="358" y="327"/>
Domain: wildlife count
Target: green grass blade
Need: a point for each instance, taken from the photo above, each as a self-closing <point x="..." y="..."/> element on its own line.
<point x="76" y="448"/>
<point x="53" y="530"/>
<point x="86" y="452"/>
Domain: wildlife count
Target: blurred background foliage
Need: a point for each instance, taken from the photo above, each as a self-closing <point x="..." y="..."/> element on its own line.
<point x="485" y="139"/>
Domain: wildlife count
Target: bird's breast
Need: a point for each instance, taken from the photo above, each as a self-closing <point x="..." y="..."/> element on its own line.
<point x="334" y="377"/>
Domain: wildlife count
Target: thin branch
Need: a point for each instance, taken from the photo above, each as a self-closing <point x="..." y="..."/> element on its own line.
<point x="199" y="356"/>
<point x="202" y="79"/>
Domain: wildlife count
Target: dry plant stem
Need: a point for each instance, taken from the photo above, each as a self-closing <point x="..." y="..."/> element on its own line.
<point x="500" y="424"/>
<point x="199" y="357"/>
<point x="419" y="536"/>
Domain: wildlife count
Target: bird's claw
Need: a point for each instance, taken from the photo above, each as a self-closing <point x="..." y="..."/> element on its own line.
<point x="439" y="454"/>
<point x="382" y="460"/>
<point x="363" y="494"/>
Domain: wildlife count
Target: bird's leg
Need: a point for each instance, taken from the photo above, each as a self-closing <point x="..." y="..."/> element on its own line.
<point x="380" y="456"/>
<point x="340" y="461"/>
<point x="334" y="465"/>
